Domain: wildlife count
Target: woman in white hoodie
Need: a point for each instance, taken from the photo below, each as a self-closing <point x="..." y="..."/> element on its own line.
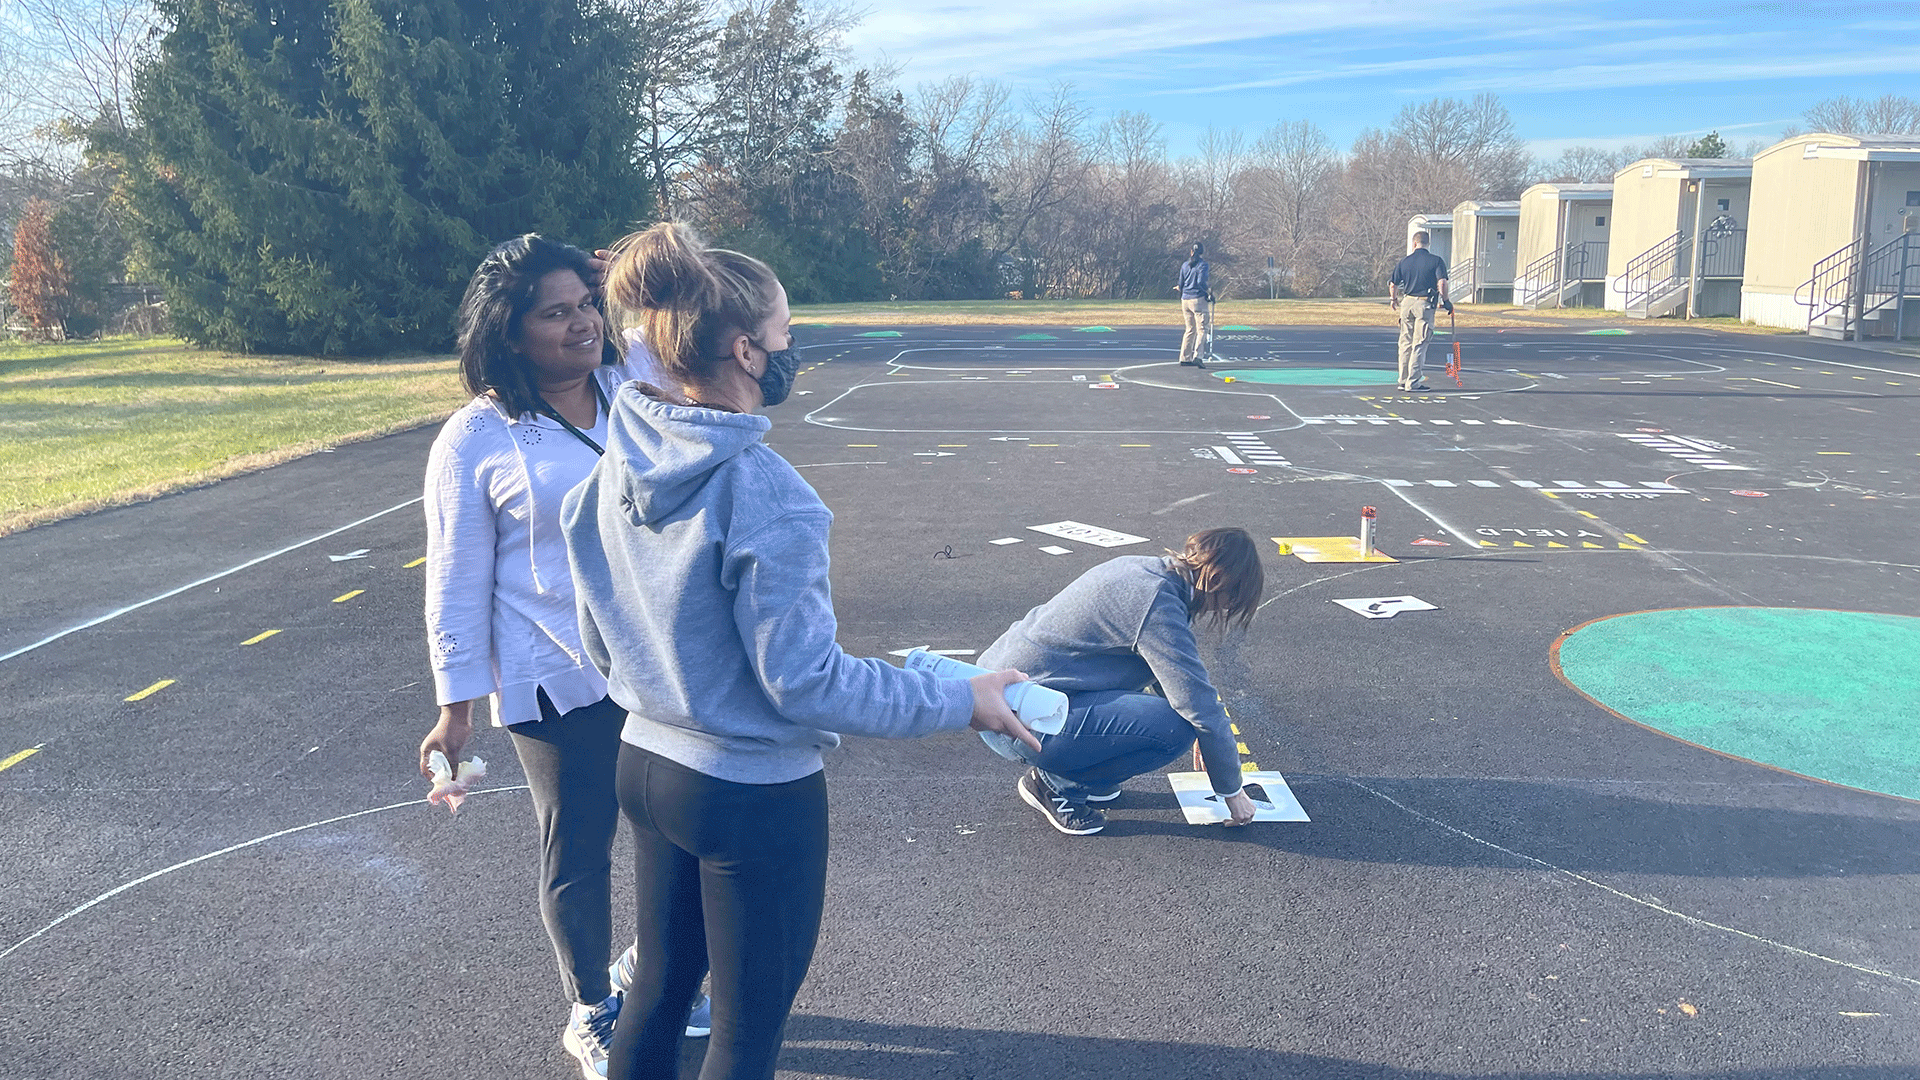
<point x="501" y="620"/>
<point x="700" y="559"/>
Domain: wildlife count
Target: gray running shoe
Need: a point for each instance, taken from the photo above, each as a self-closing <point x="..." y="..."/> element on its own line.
<point x="589" y="1033"/>
<point x="620" y="974"/>
<point x="1072" y="818"/>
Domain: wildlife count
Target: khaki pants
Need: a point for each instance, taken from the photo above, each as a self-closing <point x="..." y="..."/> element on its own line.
<point x="1416" y="331"/>
<point x="1194" y="310"/>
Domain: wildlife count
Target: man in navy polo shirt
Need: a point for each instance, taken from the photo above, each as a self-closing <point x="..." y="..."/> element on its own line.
<point x="1418" y="285"/>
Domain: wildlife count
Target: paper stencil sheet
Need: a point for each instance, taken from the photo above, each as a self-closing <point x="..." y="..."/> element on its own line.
<point x="1203" y="807"/>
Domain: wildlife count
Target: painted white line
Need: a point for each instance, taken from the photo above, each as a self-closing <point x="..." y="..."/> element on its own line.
<point x="1227" y="455"/>
<point x="136" y="882"/>
<point x="1525" y="484"/>
<point x="1441" y="483"/>
<point x="171" y="593"/>
<point x="1008" y="540"/>
<point x="1492" y="484"/>
<point x="1610" y="890"/>
<point x="1398" y="483"/>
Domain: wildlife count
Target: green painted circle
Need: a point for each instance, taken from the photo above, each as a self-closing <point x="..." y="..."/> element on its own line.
<point x="1310" y="376"/>
<point x="1834" y="695"/>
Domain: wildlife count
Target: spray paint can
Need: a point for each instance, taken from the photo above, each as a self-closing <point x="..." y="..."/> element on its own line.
<point x="1042" y="709"/>
<point x="1367" y="514"/>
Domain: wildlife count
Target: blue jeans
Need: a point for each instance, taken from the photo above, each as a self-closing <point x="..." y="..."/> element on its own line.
<point x="1110" y="735"/>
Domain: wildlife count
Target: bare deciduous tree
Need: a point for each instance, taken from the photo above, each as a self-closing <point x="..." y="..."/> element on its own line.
<point x="1888" y="114"/>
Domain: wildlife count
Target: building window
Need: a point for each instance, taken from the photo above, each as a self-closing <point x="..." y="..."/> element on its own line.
<point x="1723" y="204"/>
<point x="1600" y="220"/>
<point x="1913" y="198"/>
<point x="1500" y="235"/>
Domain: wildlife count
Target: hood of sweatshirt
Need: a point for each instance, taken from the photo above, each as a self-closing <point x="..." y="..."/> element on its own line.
<point x="668" y="451"/>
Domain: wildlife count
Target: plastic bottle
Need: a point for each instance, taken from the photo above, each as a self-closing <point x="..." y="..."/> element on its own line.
<point x="1043" y="710"/>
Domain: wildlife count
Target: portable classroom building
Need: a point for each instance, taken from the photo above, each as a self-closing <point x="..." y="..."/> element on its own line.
<point x="1837" y="253"/>
<point x="1657" y="254"/>
<point x="1486" y="236"/>
<point x="1563" y="245"/>
<point x="1439" y="230"/>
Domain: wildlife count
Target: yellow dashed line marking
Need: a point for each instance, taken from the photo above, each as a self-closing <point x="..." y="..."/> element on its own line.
<point x="1634" y="538"/>
<point x="1834" y="453"/>
<point x="414" y="563"/>
<point x="1517" y="543"/>
<point x="149" y="691"/>
<point x="1588" y="544"/>
<point x="953" y="446"/>
<point x="1125" y="445"/>
<point x="1585" y="514"/>
<point x="1037" y="445"/>
<point x="344" y="597"/>
<point x="1630" y="547"/>
<point x="15" y="759"/>
<point x="1242" y="747"/>
<point x="1554" y="544"/>
<point x="258" y="638"/>
<point x="1249" y="766"/>
<point x="863" y="446"/>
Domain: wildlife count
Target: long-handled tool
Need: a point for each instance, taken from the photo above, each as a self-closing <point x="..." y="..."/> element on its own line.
<point x="1453" y="365"/>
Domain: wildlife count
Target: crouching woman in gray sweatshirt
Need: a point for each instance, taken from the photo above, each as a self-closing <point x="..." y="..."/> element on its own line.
<point x="700" y="564"/>
<point x="1119" y="629"/>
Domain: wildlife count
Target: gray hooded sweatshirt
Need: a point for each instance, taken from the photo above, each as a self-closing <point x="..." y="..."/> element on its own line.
<point x="700" y="564"/>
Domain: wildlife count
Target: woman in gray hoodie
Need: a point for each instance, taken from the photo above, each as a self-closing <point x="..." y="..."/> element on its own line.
<point x="700" y="565"/>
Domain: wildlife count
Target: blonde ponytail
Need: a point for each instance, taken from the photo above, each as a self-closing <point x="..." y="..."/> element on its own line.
<point x="688" y="299"/>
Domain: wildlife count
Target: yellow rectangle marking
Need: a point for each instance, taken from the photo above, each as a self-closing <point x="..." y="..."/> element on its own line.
<point x="1136" y="444"/>
<point x="414" y="563"/>
<point x="15" y="759"/>
<point x="149" y="691"/>
<point x="953" y="446"/>
<point x="344" y="597"/>
<point x="863" y="446"/>
<point x="258" y="638"/>
<point x="1585" y="514"/>
<point x="1834" y="453"/>
<point x="1636" y="539"/>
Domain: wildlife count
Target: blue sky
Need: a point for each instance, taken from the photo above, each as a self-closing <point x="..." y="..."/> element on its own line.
<point x="1600" y="73"/>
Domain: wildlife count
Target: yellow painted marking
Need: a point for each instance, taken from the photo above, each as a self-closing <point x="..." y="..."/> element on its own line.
<point x="1038" y="444"/>
<point x="1488" y="543"/>
<point x="1854" y="1014"/>
<point x="1892" y="383"/>
<point x="258" y="638"/>
<point x="953" y="446"/>
<point x="1365" y="397"/>
<point x="1552" y="543"/>
<point x="1249" y="766"/>
<point x="1517" y="543"/>
<point x="1329" y="549"/>
<point x="150" y="691"/>
<point x="1243" y="748"/>
<point x="16" y="759"/>
<point x="1549" y="494"/>
<point x="1585" y="514"/>
<point x="1862" y="378"/>
<point x="1635" y="539"/>
<point x="344" y="597"/>
<point x="1630" y="547"/>
<point x="1124" y="445"/>
<point x="1586" y="544"/>
<point x="1834" y="453"/>
<point x="414" y="563"/>
<point x="1235" y="727"/>
<point x="1826" y="373"/>
<point x="863" y="446"/>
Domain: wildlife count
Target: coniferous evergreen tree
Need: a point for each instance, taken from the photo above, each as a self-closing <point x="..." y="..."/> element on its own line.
<point x="322" y="175"/>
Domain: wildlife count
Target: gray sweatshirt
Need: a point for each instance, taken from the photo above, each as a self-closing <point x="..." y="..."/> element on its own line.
<point x="700" y="565"/>
<point x="1123" y="625"/>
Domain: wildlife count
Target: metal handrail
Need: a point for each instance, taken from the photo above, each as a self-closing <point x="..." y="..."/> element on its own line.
<point x="1540" y="275"/>
<point x="1723" y="253"/>
<point x="1831" y="285"/>
<point x="1651" y="273"/>
<point x="1892" y="273"/>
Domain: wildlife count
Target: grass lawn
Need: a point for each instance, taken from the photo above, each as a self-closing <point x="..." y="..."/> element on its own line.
<point x="84" y="425"/>
<point x="1261" y="313"/>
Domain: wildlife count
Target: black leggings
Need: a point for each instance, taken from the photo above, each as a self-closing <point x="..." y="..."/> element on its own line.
<point x="732" y="875"/>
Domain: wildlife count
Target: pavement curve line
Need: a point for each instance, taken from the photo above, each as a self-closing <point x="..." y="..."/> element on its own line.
<point x="191" y="585"/>
<point x="228" y="850"/>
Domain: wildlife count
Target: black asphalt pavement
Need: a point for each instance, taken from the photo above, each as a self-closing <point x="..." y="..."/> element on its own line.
<point x="233" y="876"/>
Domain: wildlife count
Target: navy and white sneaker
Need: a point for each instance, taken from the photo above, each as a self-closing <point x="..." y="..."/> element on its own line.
<point x="1064" y="814"/>
<point x="620" y="974"/>
<point x="589" y="1033"/>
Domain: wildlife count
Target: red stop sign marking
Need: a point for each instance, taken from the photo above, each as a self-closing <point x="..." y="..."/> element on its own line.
<point x="1259" y="417"/>
<point x="1243" y="472"/>
<point x="1652" y="430"/>
<point x="1749" y="494"/>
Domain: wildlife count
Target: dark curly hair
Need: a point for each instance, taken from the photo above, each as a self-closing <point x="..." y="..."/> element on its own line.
<point x="499" y="295"/>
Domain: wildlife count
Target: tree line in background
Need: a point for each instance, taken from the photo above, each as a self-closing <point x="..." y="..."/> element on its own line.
<point x="319" y="176"/>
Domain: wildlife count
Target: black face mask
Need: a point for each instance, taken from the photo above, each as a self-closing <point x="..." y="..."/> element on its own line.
<point x="777" y="381"/>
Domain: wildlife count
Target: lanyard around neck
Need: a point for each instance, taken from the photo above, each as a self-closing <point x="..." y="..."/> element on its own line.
<point x="554" y="414"/>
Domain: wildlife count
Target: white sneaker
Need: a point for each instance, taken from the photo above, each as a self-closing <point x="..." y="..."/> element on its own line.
<point x="589" y="1033"/>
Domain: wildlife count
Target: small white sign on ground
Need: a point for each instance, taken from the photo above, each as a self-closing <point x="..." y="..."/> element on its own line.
<point x="1052" y="550"/>
<point x="1088" y="534"/>
<point x="1007" y="540"/>
<point x="1385" y="607"/>
<point x="1272" y="799"/>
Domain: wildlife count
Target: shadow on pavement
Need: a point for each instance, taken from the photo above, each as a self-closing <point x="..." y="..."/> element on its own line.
<point x="830" y="1046"/>
<point x="1571" y="826"/>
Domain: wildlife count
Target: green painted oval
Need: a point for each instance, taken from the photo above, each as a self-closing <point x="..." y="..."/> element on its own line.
<point x="1310" y="376"/>
<point x="1834" y="695"/>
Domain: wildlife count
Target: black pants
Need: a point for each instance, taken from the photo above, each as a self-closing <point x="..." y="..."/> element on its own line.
<point x="569" y="761"/>
<point x="729" y="875"/>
